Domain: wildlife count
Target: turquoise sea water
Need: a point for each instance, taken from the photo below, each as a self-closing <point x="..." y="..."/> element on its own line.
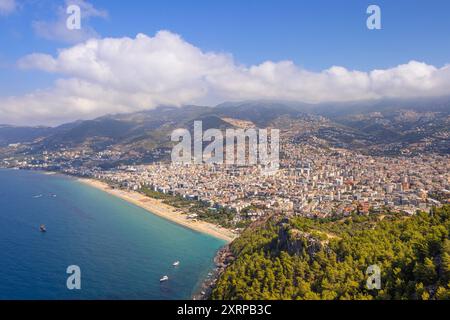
<point x="122" y="250"/>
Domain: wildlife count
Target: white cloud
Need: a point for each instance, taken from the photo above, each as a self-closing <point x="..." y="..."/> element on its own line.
<point x="57" y="30"/>
<point x="113" y="75"/>
<point x="7" y="7"/>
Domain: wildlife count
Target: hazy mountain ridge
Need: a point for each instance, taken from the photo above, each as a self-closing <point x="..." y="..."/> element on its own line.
<point x="13" y="134"/>
<point x="352" y="125"/>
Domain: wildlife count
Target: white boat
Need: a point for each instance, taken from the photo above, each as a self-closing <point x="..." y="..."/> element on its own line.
<point x="38" y="196"/>
<point x="176" y="263"/>
<point x="165" y="278"/>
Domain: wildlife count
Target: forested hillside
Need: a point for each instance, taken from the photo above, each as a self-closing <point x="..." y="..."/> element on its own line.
<point x="300" y="258"/>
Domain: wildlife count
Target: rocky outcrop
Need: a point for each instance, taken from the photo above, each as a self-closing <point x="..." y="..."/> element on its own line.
<point x="297" y="242"/>
<point x="222" y="260"/>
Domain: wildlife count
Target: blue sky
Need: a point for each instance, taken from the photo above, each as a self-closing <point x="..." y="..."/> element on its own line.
<point x="315" y="35"/>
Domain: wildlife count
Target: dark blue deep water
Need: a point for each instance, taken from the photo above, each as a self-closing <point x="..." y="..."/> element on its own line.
<point x="122" y="250"/>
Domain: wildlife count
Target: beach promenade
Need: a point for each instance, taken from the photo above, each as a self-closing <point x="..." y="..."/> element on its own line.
<point x="163" y="210"/>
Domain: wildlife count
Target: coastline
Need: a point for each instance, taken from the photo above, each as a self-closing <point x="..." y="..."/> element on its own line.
<point x="222" y="260"/>
<point x="157" y="207"/>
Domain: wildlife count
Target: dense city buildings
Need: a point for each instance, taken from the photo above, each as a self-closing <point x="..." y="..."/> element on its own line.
<point x="312" y="181"/>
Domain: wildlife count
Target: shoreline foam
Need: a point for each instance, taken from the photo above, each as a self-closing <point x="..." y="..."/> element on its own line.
<point x="157" y="207"/>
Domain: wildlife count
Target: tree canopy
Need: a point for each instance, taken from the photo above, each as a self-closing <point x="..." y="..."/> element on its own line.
<point x="301" y="258"/>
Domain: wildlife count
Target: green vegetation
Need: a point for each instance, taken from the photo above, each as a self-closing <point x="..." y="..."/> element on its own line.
<point x="220" y="216"/>
<point x="301" y="258"/>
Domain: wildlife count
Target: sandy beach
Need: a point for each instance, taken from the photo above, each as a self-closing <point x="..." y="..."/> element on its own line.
<point x="159" y="208"/>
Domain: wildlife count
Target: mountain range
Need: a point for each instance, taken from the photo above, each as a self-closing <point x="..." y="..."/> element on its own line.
<point x="386" y="126"/>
